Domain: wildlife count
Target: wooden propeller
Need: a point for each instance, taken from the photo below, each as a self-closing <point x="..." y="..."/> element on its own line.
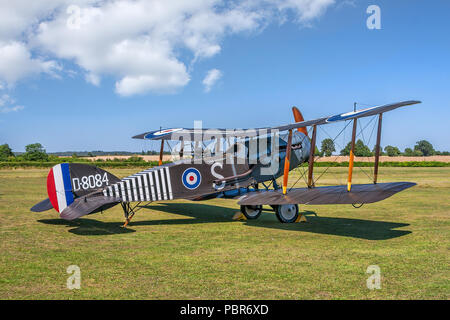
<point x="298" y="117"/>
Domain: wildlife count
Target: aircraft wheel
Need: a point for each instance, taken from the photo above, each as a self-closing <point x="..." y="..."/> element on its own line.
<point x="287" y="213"/>
<point x="251" y="212"/>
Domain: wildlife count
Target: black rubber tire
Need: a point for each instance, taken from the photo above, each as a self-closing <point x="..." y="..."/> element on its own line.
<point x="283" y="218"/>
<point x="245" y="211"/>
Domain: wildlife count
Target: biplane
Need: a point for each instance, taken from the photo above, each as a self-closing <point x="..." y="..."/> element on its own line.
<point x="237" y="169"/>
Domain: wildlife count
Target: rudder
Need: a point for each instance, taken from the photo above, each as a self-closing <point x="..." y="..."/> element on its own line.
<point x="69" y="181"/>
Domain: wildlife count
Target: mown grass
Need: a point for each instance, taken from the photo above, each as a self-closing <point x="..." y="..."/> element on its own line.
<point x="193" y="250"/>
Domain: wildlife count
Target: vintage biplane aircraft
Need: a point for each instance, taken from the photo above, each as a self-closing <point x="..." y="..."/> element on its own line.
<point x="75" y="190"/>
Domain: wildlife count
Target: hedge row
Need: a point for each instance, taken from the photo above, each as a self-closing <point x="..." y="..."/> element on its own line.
<point x="130" y="164"/>
<point x="384" y="164"/>
<point x="100" y="164"/>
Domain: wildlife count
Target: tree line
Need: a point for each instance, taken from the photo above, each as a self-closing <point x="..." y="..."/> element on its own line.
<point x="36" y="152"/>
<point x="421" y="148"/>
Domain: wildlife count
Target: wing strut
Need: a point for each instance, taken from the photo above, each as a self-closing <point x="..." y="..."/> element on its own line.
<point x="287" y="160"/>
<point x="352" y="157"/>
<point x="311" y="157"/>
<point x="377" y="149"/>
<point x="161" y="153"/>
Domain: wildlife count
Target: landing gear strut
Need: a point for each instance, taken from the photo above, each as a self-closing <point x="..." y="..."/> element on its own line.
<point x="128" y="212"/>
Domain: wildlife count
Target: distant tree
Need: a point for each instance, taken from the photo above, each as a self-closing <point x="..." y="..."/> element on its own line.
<point x="135" y="159"/>
<point x="90" y="154"/>
<point x="5" y="152"/>
<point x="445" y="153"/>
<point x="317" y="152"/>
<point x="392" y="151"/>
<point x="361" y="150"/>
<point x="327" y="147"/>
<point x="346" y="150"/>
<point x="35" y="152"/>
<point x="53" y="158"/>
<point x="74" y="155"/>
<point x="382" y="153"/>
<point x="425" y="147"/>
<point x="408" y="152"/>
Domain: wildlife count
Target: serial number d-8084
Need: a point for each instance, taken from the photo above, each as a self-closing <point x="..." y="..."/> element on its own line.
<point x="90" y="182"/>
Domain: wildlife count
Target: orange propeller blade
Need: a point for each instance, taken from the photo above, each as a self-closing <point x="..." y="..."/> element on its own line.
<point x="298" y="117"/>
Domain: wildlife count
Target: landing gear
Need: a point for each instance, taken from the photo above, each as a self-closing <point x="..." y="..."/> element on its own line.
<point x="286" y="213"/>
<point x="251" y="212"/>
<point x="128" y="212"/>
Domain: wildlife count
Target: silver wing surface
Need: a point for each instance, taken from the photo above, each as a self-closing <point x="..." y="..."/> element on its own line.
<point x="188" y="134"/>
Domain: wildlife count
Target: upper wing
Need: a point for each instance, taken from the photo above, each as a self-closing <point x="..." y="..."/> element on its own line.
<point x="188" y="134"/>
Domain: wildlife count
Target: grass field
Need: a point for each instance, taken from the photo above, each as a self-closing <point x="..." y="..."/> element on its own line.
<point x="193" y="250"/>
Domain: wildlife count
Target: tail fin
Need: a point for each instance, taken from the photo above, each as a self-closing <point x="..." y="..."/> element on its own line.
<point x="298" y="117"/>
<point x="68" y="181"/>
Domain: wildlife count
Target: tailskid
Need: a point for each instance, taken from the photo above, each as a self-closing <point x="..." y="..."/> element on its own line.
<point x="129" y="211"/>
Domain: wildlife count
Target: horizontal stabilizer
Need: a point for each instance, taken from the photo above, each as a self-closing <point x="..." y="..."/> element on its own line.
<point x="360" y="193"/>
<point x="87" y="204"/>
<point x="44" y="205"/>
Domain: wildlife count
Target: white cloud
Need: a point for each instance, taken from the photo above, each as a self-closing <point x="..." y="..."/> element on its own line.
<point x="92" y="78"/>
<point x="305" y="10"/>
<point x="211" y="78"/>
<point x="7" y="104"/>
<point x="11" y="109"/>
<point x="17" y="63"/>
<point x="144" y="44"/>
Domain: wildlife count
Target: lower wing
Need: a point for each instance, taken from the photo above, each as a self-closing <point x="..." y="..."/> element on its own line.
<point x="360" y="193"/>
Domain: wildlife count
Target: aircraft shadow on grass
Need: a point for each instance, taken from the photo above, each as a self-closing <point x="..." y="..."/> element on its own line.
<point x="202" y="213"/>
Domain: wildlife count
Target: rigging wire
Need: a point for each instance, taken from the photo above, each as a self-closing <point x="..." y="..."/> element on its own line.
<point x="369" y="175"/>
<point x="343" y="130"/>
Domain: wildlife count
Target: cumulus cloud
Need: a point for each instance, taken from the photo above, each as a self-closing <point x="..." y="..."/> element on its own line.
<point x="211" y="78"/>
<point x="144" y="44"/>
<point x="305" y="10"/>
<point x="16" y="63"/>
<point x="92" y="78"/>
<point x="7" y="104"/>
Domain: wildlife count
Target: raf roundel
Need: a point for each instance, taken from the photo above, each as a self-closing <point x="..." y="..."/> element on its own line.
<point x="191" y="178"/>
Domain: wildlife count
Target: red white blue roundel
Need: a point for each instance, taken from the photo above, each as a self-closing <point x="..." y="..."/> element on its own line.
<point x="191" y="178"/>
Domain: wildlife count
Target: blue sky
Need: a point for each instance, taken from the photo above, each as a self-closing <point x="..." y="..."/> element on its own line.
<point x="320" y="64"/>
